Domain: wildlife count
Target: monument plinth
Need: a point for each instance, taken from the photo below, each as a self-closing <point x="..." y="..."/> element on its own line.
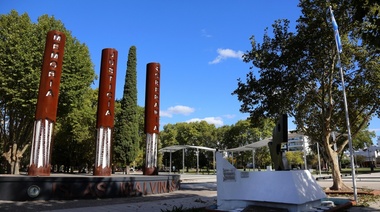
<point x="294" y="190"/>
<point x="291" y="190"/>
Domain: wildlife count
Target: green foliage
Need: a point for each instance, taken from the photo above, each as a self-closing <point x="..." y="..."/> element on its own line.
<point x="126" y="139"/>
<point x="76" y="134"/>
<point x="22" y="44"/>
<point x="262" y="157"/>
<point x="19" y="79"/>
<point x="296" y="73"/>
<point x="169" y="134"/>
<point x="225" y="137"/>
<point x="244" y="132"/>
<point x="193" y="133"/>
<point x="363" y="139"/>
<point x="294" y="157"/>
<point x="366" y="14"/>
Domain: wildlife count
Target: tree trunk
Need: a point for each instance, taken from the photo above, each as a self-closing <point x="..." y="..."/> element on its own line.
<point x="337" y="178"/>
<point x="127" y="169"/>
<point x="15" y="167"/>
<point x="13" y="157"/>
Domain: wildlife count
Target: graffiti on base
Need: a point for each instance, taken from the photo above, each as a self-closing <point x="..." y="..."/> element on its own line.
<point x="112" y="189"/>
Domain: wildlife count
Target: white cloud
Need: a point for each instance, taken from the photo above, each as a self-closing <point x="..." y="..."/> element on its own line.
<point x="224" y="54"/>
<point x="217" y="121"/>
<point x="205" y="33"/>
<point x="178" y="109"/>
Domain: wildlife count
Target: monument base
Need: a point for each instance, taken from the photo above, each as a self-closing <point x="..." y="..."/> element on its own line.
<point x="40" y="171"/>
<point x="150" y="171"/>
<point x="99" y="171"/>
<point x="292" y="190"/>
<point x="77" y="186"/>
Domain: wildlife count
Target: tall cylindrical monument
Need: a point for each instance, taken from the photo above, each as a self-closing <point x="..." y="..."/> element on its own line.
<point x="152" y="117"/>
<point x="105" y="113"/>
<point x="47" y="103"/>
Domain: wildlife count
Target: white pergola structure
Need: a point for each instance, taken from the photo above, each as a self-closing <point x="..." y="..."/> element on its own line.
<point x="175" y="148"/>
<point x="252" y="147"/>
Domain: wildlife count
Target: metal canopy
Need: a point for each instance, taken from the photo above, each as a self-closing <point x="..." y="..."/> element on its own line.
<point x="259" y="144"/>
<point x="251" y="146"/>
<point x="175" y="148"/>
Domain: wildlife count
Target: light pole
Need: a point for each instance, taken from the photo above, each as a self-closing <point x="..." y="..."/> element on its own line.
<point x="197" y="153"/>
<point x="319" y="159"/>
<point x="183" y="161"/>
<point x="369" y="161"/>
<point x="304" y="152"/>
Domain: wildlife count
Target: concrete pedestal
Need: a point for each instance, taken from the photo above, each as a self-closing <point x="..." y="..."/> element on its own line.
<point x="293" y="190"/>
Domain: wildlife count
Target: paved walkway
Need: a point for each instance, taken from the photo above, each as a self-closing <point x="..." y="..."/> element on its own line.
<point x="196" y="191"/>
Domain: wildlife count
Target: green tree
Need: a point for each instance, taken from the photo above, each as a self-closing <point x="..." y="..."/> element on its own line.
<point x="194" y="134"/>
<point x="22" y="44"/>
<point x="140" y="157"/>
<point x="243" y="133"/>
<point x="366" y="13"/>
<point x="363" y="139"/>
<point x="297" y="74"/>
<point x="222" y="137"/>
<point x="294" y="158"/>
<point x="168" y="135"/>
<point x="127" y="138"/>
<point x="74" y="145"/>
<point x="262" y="157"/>
<point x="19" y="74"/>
<point x="225" y="137"/>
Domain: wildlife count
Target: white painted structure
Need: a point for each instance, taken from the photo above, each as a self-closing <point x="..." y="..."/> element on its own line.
<point x="103" y="147"/>
<point x="293" y="190"/>
<point x="151" y="150"/>
<point x="298" y="142"/>
<point x="41" y="144"/>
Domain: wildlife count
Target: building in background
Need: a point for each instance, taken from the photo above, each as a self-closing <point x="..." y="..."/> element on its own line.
<point x="370" y="156"/>
<point x="298" y="142"/>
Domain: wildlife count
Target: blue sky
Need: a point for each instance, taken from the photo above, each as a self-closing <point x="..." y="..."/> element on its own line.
<point x="198" y="44"/>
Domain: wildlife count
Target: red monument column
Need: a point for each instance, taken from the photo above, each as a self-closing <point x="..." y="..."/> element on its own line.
<point x="47" y="102"/>
<point x="152" y="117"/>
<point x="105" y="113"/>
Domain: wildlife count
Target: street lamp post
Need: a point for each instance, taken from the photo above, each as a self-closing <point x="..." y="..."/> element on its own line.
<point x="183" y="161"/>
<point x="197" y="153"/>
<point x="304" y="152"/>
<point x="319" y="159"/>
